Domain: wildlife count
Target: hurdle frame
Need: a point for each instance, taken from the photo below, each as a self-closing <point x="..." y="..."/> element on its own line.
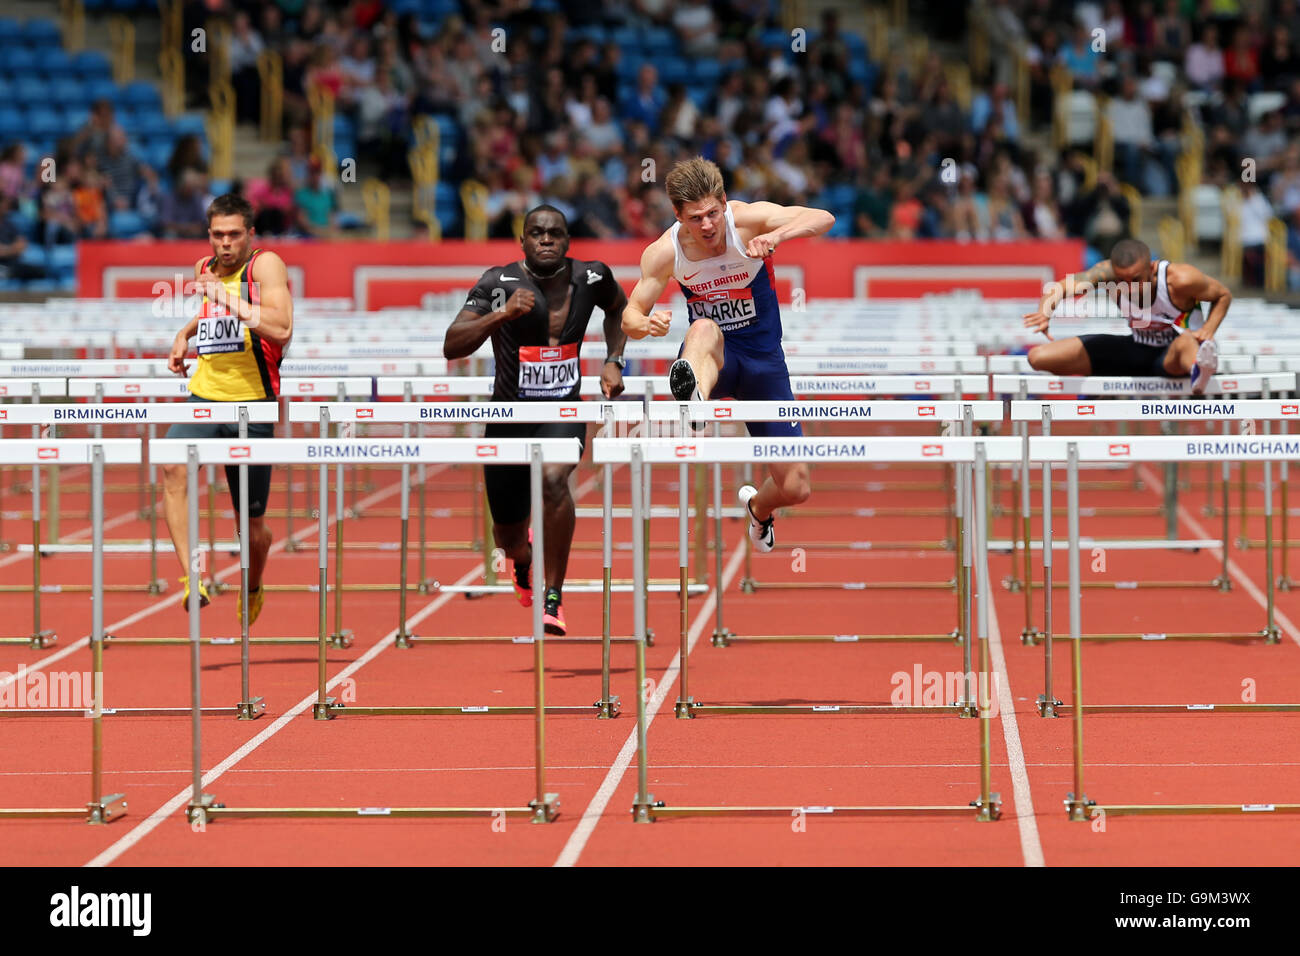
<point x="646" y="808"/>
<point x="203" y="807"/>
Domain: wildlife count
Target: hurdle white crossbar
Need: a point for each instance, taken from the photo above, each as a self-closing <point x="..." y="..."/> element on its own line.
<point x="29" y="387"/>
<point x="433" y="413"/>
<point x="139" y="413"/>
<point x="806" y="411"/>
<point x="1129" y="410"/>
<point x="1095" y="386"/>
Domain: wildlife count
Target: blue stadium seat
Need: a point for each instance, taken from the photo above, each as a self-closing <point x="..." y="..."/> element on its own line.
<point x="12" y="122"/>
<point x="94" y="6"/>
<point x="674" y="69"/>
<point x="701" y="96"/>
<point x="92" y="65"/>
<point x="11" y="31"/>
<point x="843" y="227"/>
<point x="33" y="255"/>
<point x="6" y="89"/>
<point x="25" y="224"/>
<point x="74" y="119"/>
<point x="775" y="37"/>
<point x="62" y="259"/>
<point x="101" y="90"/>
<point x="55" y="64"/>
<point x="123" y="224"/>
<point x="157" y="152"/>
<point x="68" y="92"/>
<point x="152" y="124"/>
<point x="42" y="33"/>
<point x="628" y="67"/>
<point x="41" y="285"/>
<point x="659" y="41"/>
<point x="706" y="73"/>
<point x="140" y="94"/>
<point x="20" y="61"/>
<point x="68" y="284"/>
<point x="628" y="38"/>
<point x="219" y="187"/>
<point x="403" y="7"/>
<point x="44" y="121"/>
<point x="190" y="123"/>
<point x="12" y="285"/>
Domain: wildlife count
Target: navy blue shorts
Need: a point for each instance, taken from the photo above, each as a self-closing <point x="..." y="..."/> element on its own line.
<point x="750" y="377"/>
<point x="259" y="476"/>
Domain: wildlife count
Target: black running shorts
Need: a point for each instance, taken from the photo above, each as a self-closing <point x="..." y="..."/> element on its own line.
<point x="509" y="491"/>
<point x="1121" y="355"/>
<point x="259" y="476"/>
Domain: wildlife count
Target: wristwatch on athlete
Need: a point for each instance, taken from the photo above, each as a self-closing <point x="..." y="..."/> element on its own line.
<point x="617" y="360"/>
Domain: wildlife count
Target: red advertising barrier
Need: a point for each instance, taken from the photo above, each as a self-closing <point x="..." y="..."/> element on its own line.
<point x="379" y="274"/>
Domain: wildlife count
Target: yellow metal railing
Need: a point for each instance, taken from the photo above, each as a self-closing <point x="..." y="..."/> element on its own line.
<point x="1022" y="86"/>
<point x="172" y="66"/>
<point x="1105" y="141"/>
<point x="221" y="129"/>
<point x="878" y="34"/>
<point x="121" y="34"/>
<point x="321" y="101"/>
<point x="474" y="197"/>
<point x="918" y="49"/>
<point x="959" y="83"/>
<point x="379" y="201"/>
<point x="1275" y="257"/>
<point x="328" y="160"/>
<point x="270" y="68"/>
<point x="1134" y="198"/>
<point x="898" y="14"/>
<point x="1230" y="247"/>
<point x="218" y="50"/>
<point x="73" y="13"/>
<point x="978" y="51"/>
<point x="424" y="176"/>
<point x="1089" y="171"/>
<point x="1171" y="238"/>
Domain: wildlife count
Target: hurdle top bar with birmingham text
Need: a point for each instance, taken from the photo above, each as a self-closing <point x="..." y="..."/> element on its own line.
<point x="1098" y="386"/>
<point x="1136" y="410"/>
<point x="468" y="386"/>
<point x="69" y="451"/>
<point x="827" y="449"/>
<point x="402" y="412"/>
<point x="322" y="451"/>
<point x="1167" y="448"/>
<point x="125" y="413"/>
<point x="767" y="411"/>
<point x="26" y="387"/>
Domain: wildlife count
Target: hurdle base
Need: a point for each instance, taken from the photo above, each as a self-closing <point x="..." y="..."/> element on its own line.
<point x="912" y="710"/>
<point x="405" y="640"/>
<point x="608" y="709"/>
<point x="643" y="811"/>
<point x="250" y="709"/>
<point x="967" y="709"/>
<point x="1031" y="636"/>
<point x="331" y="709"/>
<point x="1151" y="809"/>
<point x="1013" y="584"/>
<point x="1047" y="708"/>
<point x="1078" y="808"/>
<point x="1233" y="708"/>
<point x="341" y="639"/>
<point x="545" y="810"/>
<point x="990" y="813"/>
<point x="39" y="640"/>
<point x="12" y="712"/>
<point x="1285" y="584"/>
<point x="198" y="810"/>
<point x="323" y="710"/>
<point x="748" y="585"/>
<point x="410" y="640"/>
<point x="722" y="637"/>
<point x="1223" y="583"/>
<point x="158" y="586"/>
<point x="1160" y="636"/>
<point x="1272" y="634"/>
<point x="107" y="809"/>
<point x="684" y="709"/>
<point x="727" y="638"/>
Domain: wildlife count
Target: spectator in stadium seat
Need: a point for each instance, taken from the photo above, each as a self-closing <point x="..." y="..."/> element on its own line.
<point x="1265" y="144"/>
<point x="597" y="211"/>
<point x="1172" y="34"/>
<point x="905" y="215"/>
<point x="1278" y="64"/>
<point x="1284" y="188"/>
<point x="88" y="198"/>
<point x="1255" y="214"/>
<point x="696" y="28"/>
<point x="1203" y="64"/>
<point x="872" y="206"/>
<point x="1041" y="57"/>
<point x="184" y="210"/>
<point x="243" y="50"/>
<point x="554" y="161"/>
<point x="148" y="199"/>
<point x="186" y="154"/>
<point x="13" y="173"/>
<point x="603" y="134"/>
<point x="121" y="171"/>
<point x="647" y="100"/>
<point x="1241" y="61"/>
<point x="1042" y="214"/>
<point x="995" y="104"/>
<point x="276" y="213"/>
<point x="680" y="115"/>
<point x="1130" y="120"/>
<point x="1105" y="215"/>
<point x="92" y="138"/>
<point x="317" y="203"/>
<point x="1004" y="221"/>
<point x="12" y="245"/>
<point x="1080" y="58"/>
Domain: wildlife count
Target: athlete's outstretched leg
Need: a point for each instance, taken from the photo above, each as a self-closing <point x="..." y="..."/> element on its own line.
<point x="1181" y="355"/>
<point x="176" y="514"/>
<point x="1064" y="357"/>
<point x="786" y="485"/>
<point x="558" y="522"/>
<point x="702" y="353"/>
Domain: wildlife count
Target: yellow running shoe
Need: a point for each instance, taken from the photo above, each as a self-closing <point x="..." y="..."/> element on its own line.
<point x="204" y="599"/>
<point x="255" y="599"/>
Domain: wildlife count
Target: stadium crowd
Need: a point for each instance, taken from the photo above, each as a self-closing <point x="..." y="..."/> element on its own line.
<point x="586" y="108"/>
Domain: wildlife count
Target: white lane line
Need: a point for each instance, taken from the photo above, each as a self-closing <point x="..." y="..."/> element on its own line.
<point x="147" y="826"/>
<point x="1031" y="847"/>
<point x="1234" y="569"/>
<point x="596" y="808"/>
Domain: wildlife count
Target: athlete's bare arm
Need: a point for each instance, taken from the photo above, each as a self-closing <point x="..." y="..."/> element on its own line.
<point x="772" y="225"/>
<point x="469" y="329"/>
<point x="1076" y="283"/>
<point x="181" y="343"/>
<point x="656" y="270"/>
<point x="272" y="315"/>
<point x="1189" y="284"/>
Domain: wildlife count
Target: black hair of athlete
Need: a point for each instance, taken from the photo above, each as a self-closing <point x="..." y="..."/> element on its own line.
<point x="1128" y="252"/>
<point x="546" y="207"/>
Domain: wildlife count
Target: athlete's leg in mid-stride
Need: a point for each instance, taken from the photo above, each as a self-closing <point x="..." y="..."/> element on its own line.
<point x="703" y="357"/>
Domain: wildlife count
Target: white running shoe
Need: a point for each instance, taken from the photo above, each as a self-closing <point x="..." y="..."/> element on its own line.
<point x="760" y="532"/>
<point x="1207" y="363"/>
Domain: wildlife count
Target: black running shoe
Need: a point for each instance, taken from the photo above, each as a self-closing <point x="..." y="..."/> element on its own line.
<point x="681" y="382"/>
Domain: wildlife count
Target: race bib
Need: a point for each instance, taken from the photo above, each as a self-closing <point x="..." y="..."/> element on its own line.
<point x="548" y="371"/>
<point x="220" y="333"/>
<point x="733" y="309"/>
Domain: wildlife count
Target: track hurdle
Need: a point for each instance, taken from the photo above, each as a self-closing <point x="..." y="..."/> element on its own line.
<point x="544" y="807"/>
<point x="1072" y="451"/>
<point x="102" y="808"/>
<point x="718" y="450"/>
<point x="52" y="416"/>
<point x="32" y="389"/>
<point x="968" y="453"/>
